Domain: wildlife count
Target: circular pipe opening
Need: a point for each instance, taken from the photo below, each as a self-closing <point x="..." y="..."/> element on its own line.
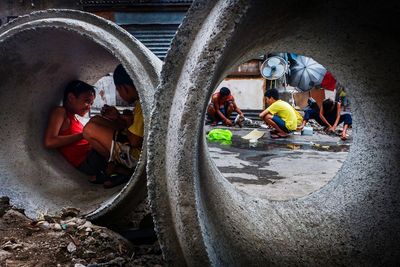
<point x="248" y="153"/>
<point x="40" y="54"/>
<point x="202" y="218"/>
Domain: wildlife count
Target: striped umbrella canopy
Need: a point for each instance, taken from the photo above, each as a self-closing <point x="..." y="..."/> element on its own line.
<point x="306" y="73"/>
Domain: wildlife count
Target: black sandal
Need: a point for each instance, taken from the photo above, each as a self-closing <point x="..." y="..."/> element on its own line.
<point x="116" y="179"/>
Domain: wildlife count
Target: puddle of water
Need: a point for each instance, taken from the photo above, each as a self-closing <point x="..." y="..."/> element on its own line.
<point x="279" y="169"/>
<point x="267" y="145"/>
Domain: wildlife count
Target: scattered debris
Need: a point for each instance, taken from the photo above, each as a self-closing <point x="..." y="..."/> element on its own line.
<point x="69" y="212"/>
<point x="67" y="241"/>
<point x="293" y="146"/>
<point x="71" y="247"/>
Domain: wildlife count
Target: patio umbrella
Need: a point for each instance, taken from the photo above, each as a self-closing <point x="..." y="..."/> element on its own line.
<point x="306" y="73"/>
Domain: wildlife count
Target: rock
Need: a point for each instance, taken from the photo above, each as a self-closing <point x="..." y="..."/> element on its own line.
<point x="79" y="265"/>
<point x="56" y="226"/>
<point x="4" y="255"/>
<point x="10" y="245"/>
<point x="87" y="224"/>
<point x="80" y="221"/>
<point x="71" y="247"/>
<point x="44" y="225"/>
<point x="71" y="224"/>
<point x="103" y="235"/>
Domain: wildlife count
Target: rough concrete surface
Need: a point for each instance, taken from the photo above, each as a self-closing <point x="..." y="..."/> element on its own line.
<point x="39" y="54"/>
<point x="201" y="218"/>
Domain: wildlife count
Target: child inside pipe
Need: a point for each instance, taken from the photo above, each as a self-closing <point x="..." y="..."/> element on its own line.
<point x="116" y="136"/>
<point x="65" y="132"/>
<point x="280" y="115"/>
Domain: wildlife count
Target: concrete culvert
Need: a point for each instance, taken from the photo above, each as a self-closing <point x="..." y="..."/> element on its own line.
<point x="200" y="217"/>
<point x="40" y="54"/>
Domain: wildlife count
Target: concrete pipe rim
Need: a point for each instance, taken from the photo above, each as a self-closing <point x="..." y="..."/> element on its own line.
<point x="182" y="189"/>
<point x="126" y="50"/>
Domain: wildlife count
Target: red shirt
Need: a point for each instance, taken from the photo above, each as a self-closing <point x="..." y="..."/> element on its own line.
<point x="77" y="152"/>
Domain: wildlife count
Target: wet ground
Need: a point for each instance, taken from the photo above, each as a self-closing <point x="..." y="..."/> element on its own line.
<point x="279" y="169"/>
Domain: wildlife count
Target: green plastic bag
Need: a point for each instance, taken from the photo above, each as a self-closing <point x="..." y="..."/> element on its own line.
<point x="220" y="135"/>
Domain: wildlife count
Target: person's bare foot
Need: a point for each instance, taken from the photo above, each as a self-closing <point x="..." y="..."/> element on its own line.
<point x="343" y="137"/>
<point x="278" y="135"/>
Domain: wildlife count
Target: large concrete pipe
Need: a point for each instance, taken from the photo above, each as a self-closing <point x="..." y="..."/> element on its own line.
<point x="40" y="54"/>
<point x="201" y="218"/>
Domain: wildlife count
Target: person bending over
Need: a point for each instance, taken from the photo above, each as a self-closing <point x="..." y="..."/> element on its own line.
<point x="280" y="115"/>
<point x="116" y="136"/>
<point x="65" y="132"/>
<point x="311" y="112"/>
<point x="331" y="117"/>
<point x="221" y="107"/>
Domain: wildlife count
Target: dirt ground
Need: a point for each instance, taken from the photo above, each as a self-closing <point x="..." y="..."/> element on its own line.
<point x="66" y="241"/>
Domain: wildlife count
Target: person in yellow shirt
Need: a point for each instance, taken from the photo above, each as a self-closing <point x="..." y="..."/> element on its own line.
<point x="116" y="136"/>
<point x="280" y="115"/>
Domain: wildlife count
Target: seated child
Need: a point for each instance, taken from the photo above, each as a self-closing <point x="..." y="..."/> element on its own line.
<point x="65" y="131"/>
<point x="280" y="115"/>
<point x="118" y="137"/>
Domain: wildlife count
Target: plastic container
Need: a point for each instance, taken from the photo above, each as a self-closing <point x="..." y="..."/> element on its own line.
<point x="307" y="131"/>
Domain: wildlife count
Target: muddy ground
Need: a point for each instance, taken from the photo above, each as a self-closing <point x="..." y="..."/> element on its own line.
<point x="67" y="241"/>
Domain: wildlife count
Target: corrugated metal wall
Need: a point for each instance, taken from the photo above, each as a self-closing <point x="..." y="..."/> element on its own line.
<point x="154" y="29"/>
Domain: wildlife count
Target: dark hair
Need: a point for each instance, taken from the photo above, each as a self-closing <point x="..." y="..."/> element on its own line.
<point x="224" y="91"/>
<point x="313" y="104"/>
<point x="77" y="87"/>
<point x="121" y="76"/>
<point x="272" y="93"/>
<point x="328" y="104"/>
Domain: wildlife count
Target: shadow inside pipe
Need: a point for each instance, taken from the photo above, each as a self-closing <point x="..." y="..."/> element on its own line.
<point x="251" y="153"/>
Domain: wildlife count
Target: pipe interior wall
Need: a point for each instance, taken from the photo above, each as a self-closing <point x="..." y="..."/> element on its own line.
<point x="40" y="54"/>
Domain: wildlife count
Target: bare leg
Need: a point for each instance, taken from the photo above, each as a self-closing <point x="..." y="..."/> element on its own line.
<point x="99" y="137"/>
<point x="268" y="120"/>
<point x="229" y="110"/>
<point x="343" y="135"/>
